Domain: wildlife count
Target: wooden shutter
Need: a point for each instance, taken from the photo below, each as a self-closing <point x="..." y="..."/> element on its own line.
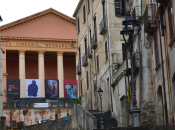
<point x="161" y="19"/>
<point x="97" y="63"/>
<point x="85" y="44"/>
<point x="106" y="50"/>
<point x="78" y="25"/>
<point x="124" y="49"/>
<point x="87" y="79"/>
<point x="80" y="57"/>
<point x="117" y="8"/>
<point x="84" y="13"/>
<point x="88" y="6"/>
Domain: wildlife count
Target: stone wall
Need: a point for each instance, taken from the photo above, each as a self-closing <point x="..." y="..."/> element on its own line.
<point x="82" y="119"/>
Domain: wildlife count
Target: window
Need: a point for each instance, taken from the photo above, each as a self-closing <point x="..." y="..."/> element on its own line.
<point x="97" y="63"/>
<point x="124" y="49"/>
<point x="104" y="13"/>
<point x="79" y="51"/>
<point x="95" y="29"/>
<point x="156" y="50"/>
<point x="78" y="25"/>
<point x="87" y="78"/>
<point x="171" y="21"/>
<point x="88" y="6"/>
<point x="106" y="50"/>
<point x="85" y="45"/>
<point x="84" y="14"/>
<point x="120" y="7"/>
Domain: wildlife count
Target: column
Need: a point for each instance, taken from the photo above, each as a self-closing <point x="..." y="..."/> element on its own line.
<point x="60" y="73"/>
<point x="41" y="72"/>
<point x="22" y="73"/>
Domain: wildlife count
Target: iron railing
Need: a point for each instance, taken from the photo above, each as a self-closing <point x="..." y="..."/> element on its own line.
<point x="138" y="12"/>
<point x="103" y="27"/>
<point x="78" y="69"/>
<point x="94" y="41"/>
<point x="84" y="60"/>
<point x="149" y="16"/>
<point x="31" y="105"/>
<point x="89" y="52"/>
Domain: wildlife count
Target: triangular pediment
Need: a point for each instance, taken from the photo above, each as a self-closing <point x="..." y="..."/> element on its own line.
<point x="46" y="24"/>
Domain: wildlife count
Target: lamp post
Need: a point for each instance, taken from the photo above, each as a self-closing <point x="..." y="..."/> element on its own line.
<point x="135" y="112"/>
<point x="19" y="106"/>
<point x="100" y="92"/>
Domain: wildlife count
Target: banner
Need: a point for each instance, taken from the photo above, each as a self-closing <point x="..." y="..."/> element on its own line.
<point x="51" y="88"/>
<point x="70" y="88"/>
<point x="41" y="105"/>
<point x="15" y="84"/>
<point x="32" y="88"/>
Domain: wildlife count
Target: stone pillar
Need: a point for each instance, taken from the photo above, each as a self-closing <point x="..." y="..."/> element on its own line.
<point x="22" y="73"/>
<point x="41" y="72"/>
<point x="60" y="73"/>
<point x="3" y="122"/>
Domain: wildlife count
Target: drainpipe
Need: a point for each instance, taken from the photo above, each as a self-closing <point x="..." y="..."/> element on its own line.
<point x="109" y="58"/>
<point x="163" y="75"/>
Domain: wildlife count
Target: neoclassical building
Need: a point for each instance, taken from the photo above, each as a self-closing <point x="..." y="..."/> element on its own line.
<point x="39" y="47"/>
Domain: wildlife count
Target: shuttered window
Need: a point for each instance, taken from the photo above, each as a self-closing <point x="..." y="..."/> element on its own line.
<point x="87" y="78"/>
<point x="120" y="7"/>
<point x="85" y="45"/>
<point x="106" y="52"/>
<point x="97" y="63"/>
<point x="124" y="49"/>
<point x="78" y="25"/>
<point x="156" y="50"/>
<point x="84" y="14"/>
<point x="171" y="21"/>
<point x="88" y="6"/>
<point x="79" y="50"/>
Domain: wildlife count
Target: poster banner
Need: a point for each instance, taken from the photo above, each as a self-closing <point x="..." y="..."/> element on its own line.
<point x="41" y="105"/>
<point x="15" y="84"/>
<point x="70" y="88"/>
<point x="51" y="88"/>
<point x="32" y="88"/>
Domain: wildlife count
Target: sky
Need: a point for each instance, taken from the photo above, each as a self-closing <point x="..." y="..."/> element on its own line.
<point x="12" y="10"/>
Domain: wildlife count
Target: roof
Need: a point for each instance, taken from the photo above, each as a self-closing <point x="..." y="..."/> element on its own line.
<point x="77" y="8"/>
<point x="37" y="15"/>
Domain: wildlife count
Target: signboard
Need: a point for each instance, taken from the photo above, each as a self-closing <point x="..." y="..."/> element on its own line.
<point x="41" y="105"/>
<point x="15" y="85"/>
<point x="70" y="88"/>
<point x="32" y="88"/>
<point x="51" y="88"/>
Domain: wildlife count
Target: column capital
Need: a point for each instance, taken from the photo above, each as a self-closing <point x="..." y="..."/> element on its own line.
<point x="41" y="52"/>
<point x="59" y="52"/>
<point x="22" y="52"/>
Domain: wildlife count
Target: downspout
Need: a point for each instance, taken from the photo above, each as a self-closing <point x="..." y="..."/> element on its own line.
<point x="109" y="58"/>
<point x="163" y="75"/>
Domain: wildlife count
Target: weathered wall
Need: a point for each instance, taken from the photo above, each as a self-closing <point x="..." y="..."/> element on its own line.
<point x="82" y="119"/>
<point x="33" y="115"/>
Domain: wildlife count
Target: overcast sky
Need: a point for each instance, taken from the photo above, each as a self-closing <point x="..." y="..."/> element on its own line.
<point x="12" y="10"/>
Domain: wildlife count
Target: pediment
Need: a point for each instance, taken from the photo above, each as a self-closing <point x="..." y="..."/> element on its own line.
<point x="46" y="24"/>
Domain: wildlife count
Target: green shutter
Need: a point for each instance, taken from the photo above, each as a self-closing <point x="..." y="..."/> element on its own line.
<point x="117" y="8"/>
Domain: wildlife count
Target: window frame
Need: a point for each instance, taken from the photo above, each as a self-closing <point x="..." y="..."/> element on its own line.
<point x="84" y="14"/>
<point x="119" y="11"/>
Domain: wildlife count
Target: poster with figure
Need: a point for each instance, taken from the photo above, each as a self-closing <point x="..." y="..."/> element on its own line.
<point x="15" y="84"/>
<point x="32" y="88"/>
<point x="70" y="88"/>
<point x="51" y="88"/>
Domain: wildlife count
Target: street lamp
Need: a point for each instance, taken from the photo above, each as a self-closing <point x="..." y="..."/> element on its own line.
<point x="135" y="112"/>
<point x="100" y="92"/>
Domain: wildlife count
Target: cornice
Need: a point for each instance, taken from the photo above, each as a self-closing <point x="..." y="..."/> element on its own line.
<point x="77" y="8"/>
<point x="6" y="39"/>
<point x="38" y="15"/>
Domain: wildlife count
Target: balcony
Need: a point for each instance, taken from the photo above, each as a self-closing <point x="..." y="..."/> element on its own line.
<point x="78" y="69"/>
<point x="84" y="60"/>
<point x="89" y="52"/>
<point x="150" y="22"/>
<point x="94" y="41"/>
<point x="103" y="26"/>
<point x="162" y="1"/>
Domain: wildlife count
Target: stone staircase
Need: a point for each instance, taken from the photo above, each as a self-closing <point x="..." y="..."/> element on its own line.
<point x="108" y="121"/>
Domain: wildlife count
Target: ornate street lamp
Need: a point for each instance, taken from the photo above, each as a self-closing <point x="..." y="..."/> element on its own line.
<point x="100" y="92"/>
<point x="135" y="112"/>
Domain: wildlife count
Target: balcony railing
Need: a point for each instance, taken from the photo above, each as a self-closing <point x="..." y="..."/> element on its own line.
<point x="78" y="69"/>
<point x="103" y="28"/>
<point x="150" y="24"/>
<point x="94" y="41"/>
<point x="31" y="105"/>
<point x="89" y="52"/>
<point x="84" y="60"/>
<point x="137" y="13"/>
<point x="162" y="1"/>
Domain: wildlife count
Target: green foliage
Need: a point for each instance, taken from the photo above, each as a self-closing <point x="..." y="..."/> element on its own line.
<point x="78" y="101"/>
<point x="12" y="91"/>
<point x="97" y="108"/>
